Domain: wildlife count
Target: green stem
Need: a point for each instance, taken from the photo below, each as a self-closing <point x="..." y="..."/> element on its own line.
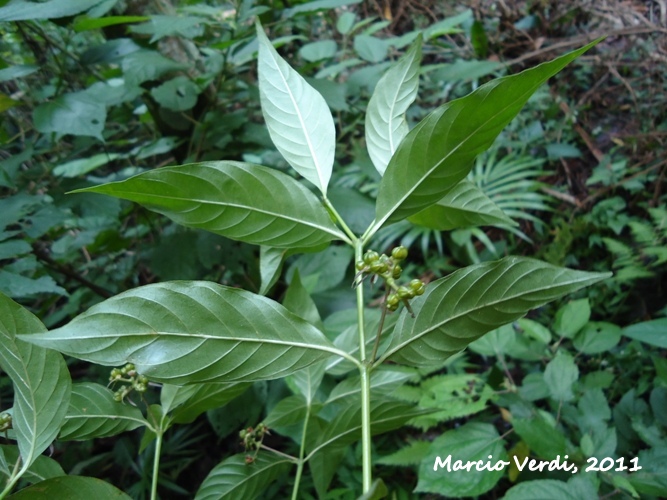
<point x="364" y="372"/>
<point x="156" y="464"/>
<point x="380" y="326"/>
<point x="302" y="452"/>
<point x="13" y="479"/>
<point x="343" y="225"/>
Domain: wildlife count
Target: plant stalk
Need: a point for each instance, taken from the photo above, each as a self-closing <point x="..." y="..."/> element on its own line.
<point x="364" y="372"/>
<point x="302" y="452"/>
<point x="156" y="462"/>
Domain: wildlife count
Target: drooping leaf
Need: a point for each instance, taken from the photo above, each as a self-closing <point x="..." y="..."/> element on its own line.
<point x="192" y="331"/>
<point x="234" y="478"/>
<point x="464" y="206"/>
<point x="297" y="116"/>
<point x="186" y="403"/>
<point x="41" y="381"/>
<point x="71" y="488"/>
<point x="439" y="151"/>
<point x="471" y="442"/>
<point x="42" y="468"/>
<point x="244" y="202"/>
<point x="75" y="113"/>
<point x="93" y="413"/>
<point x="386" y="125"/>
<point x="468" y="303"/>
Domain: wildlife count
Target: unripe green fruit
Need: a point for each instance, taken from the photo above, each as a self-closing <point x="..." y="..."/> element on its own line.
<point x="371" y="256"/>
<point x="379" y="267"/>
<point x="417" y="287"/>
<point x="360" y="265"/>
<point x="399" y="253"/>
<point x="392" y="300"/>
<point x="404" y="292"/>
<point x="396" y="271"/>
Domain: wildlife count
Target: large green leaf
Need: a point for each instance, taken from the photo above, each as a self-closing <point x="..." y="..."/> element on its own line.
<point x="386" y="125"/>
<point x="244" y="202"/>
<point x="71" y="488"/>
<point x="186" y="403"/>
<point x="192" y="331"/>
<point x="93" y="413"/>
<point x="439" y="151"/>
<point x="468" y="303"/>
<point x="234" y="478"/>
<point x="297" y="116"/>
<point x="42" y="383"/>
<point x="464" y="206"/>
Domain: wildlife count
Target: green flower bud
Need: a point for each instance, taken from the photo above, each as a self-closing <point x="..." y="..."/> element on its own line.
<point x="379" y="267"/>
<point x="417" y="287"/>
<point x="399" y="253"/>
<point x="404" y="292"/>
<point x="360" y="265"/>
<point x="396" y="271"/>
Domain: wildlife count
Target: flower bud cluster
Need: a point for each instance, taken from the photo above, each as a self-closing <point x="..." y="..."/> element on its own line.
<point x="251" y="439"/>
<point x="131" y="379"/>
<point x="388" y="268"/>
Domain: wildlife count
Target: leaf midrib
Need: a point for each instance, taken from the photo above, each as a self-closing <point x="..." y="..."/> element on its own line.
<point x="244" y="207"/>
<point x="433" y="327"/>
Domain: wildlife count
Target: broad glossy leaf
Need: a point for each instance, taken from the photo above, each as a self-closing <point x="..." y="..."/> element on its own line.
<point x="41" y="381"/>
<point x="289" y="411"/>
<point x="468" y="303"/>
<point x="192" y="331"/>
<point x="93" y="413"/>
<point x="297" y="116"/>
<point x="386" y="125"/>
<point x="186" y="403"/>
<point x="233" y="478"/>
<point x="464" y="206"/>
<point x="41" y="469"/>
<point x="471" y="442"/>
<point x="298" y="300"/>
<point x="243" y="202"/>
<point x="439" y="151"/>
<point x="71" y="488"/>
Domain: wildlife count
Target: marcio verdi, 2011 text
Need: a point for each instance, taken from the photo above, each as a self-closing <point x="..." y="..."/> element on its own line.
<point x="534" y="465"/>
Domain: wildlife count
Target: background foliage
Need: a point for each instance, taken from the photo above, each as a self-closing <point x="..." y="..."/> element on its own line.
<point x="96" y="91"/>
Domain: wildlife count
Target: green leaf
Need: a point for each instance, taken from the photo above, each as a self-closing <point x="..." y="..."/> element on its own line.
<point x="93" y="413"/>
<point x="468" y="303"/>
<point x="386" y="125"/>
<point x="71" y="488"/>
<point x="559" y="375"/>
<point x="377" y="491"/>
<point x="41" y="382"/>
<point x="82" y="166"/>
<point x="547" y="489"/>
<point x="289" y="411"/>
<point x="75" y="113"/>
<point x="325" y="447"/>
<point x="370" y="48"/>
<point x="233" y="478"/>
<point x="383" y="380"/>
<point x="178" y="94"/>
<point x="19" y="10"/>
<point x="315" y="5"/>
<point x="243" y="202"/>
<point x="650" y="332"/>
<point x="41" y="469"/>
<point x="439" y="151"/>
<point x="144" y="65"/>
<point x="84" y="23"/>
<point x="542" y="438"/>
<point x="162" y="26"/>
<point x="17" y="71"/>
<point x="192" y="331"/>
<point x="572" y="317"/>
<point x="412" y="454"/>
<point x="471" y="442"/>
<point x="465" y="205"/>
<point x="316" y="51"/>
<point x="298" y="300"/>
<point x="16" y="285"/>
<point x="651" y="479"/>
<point x="597" y="337"/>
<point x="270" y="266"/>
<point x="297" y="116"/>
<point x="186" y="403"/>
